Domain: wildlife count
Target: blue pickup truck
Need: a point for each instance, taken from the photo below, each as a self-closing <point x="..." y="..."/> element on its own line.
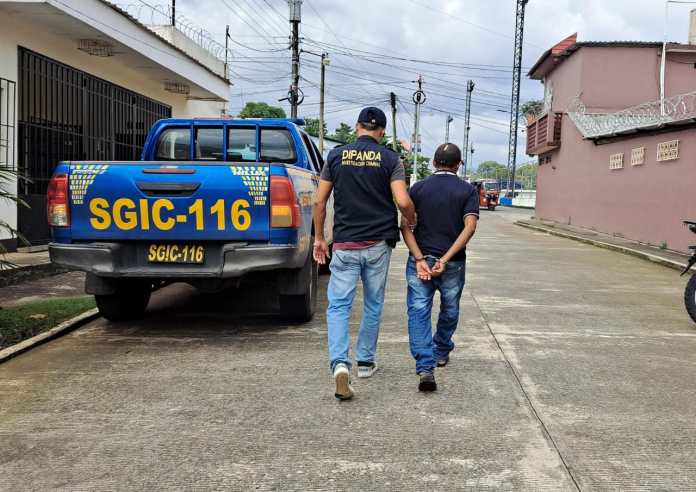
<point x="210" y="202"/>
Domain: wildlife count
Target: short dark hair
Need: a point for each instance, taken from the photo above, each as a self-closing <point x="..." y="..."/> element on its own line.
<point x="448" y="156"/>
<point x="370" y="127"/>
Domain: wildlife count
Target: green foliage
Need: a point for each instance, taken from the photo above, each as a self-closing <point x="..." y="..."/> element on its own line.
<point x="312" y="127"/>
<point x="532" y="107"/>
<point x="491" y="170"/>
<point x="424" y="169"/>
<point x="7" y="177"/>
<point x="261" y="110"/>
<point x="527" y="175"/>
<point x="18" y="323"/>
<point x="344" y="133"/>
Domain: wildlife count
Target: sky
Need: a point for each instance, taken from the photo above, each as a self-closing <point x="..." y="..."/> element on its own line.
<point x="452" y="41"/>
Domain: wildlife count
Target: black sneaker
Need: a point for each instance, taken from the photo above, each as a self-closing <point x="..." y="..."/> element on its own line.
<point x="427" y="382"/>
<point x="443" y="362"/>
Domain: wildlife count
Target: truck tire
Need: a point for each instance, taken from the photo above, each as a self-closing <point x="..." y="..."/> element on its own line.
<point x="491" y="208"/>
<point x="690" y="297"/>
<point x="127" y="303"/>
<point x="300" y="308"/>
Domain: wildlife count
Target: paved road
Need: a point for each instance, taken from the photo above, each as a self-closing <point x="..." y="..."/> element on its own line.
<point x="575" y="368"/>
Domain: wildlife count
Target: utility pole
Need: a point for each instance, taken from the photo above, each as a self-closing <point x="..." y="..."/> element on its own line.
<point x="467" y="127"/>
<point x="418" y="99"/>
<point x="392" y="100"/>
<point x="515" y="102"/>
<point x="173" y="13"/>
<point x="227" y="45"/>
<point x="324" y="62"/>
<point x="295" y="18"/>
<point x="447" y="127"/>
<point x="472" y="155"/>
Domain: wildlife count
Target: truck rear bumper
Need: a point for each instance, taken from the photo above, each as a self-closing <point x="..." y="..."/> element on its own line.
<point x="230" y="260"/>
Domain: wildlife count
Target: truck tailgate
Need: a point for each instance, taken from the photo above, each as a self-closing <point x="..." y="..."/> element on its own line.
<point x="169" y="201"/>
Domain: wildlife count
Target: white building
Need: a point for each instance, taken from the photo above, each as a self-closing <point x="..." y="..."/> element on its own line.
<point x="82" y="79"/>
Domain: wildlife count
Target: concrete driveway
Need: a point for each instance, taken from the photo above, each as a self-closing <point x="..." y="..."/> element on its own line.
<point x="575" y="369"/>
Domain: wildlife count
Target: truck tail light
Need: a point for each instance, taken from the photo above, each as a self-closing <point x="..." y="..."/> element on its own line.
<point x="58" y="206"/>
<point x="285" y="212"/>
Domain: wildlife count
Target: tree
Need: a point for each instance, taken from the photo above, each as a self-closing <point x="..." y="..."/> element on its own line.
<point x="423" y="166"/>
<point x="527" y="175"/>
<point x="532" y="108"/>
<point x="261" y="110"/>
<point x="344" y="133"/>
<point x="312" y="127"/>
<point x="7" y="179"/>
<point x="491" y="170"/>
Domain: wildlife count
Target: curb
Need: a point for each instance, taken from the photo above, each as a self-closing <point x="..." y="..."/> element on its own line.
<point x="16" y="275"/>
<point x="56" y="331"/>
<point x="601" y="244"/>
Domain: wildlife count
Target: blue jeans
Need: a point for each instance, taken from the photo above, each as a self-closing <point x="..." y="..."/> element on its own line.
<point x="347" y="268"/>
<point x="425" y="348"/>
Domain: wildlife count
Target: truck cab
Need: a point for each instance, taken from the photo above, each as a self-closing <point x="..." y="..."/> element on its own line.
<point x="210" y="202"/>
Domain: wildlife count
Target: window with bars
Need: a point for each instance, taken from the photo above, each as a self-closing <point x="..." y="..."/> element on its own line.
<point x="8" y="94"/>
<point x="68" y="114"/>
<point x="616" y="161"/>
<point x="637" y="156"/>
<point x="668" y="151"/>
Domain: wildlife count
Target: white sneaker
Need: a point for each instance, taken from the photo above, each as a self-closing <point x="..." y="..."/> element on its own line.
<point x="367" y="371"/>
<point x="342" y="376"/>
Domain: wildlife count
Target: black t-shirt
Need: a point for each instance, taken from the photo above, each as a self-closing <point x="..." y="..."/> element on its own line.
<point x="362" y="173"/>
<point x="442" y="201"/>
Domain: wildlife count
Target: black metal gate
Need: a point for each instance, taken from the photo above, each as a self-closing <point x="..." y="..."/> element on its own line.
<point x="67" y="114"/>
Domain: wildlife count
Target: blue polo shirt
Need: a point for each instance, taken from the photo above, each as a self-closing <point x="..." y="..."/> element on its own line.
<point x="442" y="201"/>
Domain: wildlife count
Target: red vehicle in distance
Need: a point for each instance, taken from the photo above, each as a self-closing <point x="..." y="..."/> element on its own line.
<point x="488" y="193"/>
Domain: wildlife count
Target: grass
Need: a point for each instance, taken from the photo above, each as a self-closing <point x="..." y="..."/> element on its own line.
<point x="18" y="323"/>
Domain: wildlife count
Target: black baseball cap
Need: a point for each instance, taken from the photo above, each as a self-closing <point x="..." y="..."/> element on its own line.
<point x="374" y="116"/>
<point x="448" y="155"/>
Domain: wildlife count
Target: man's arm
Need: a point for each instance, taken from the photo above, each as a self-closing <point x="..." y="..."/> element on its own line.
<point x="422" y="268"/>
<point x="403" y="201"/>
<point x="321" y="249"/>
<point x="470" y="223"/>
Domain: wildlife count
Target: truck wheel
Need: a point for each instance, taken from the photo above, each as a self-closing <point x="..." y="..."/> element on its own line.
<point x="300" y="308"/>
<point x="128" y="303"/>
<point x="690" y="297"/>
<point x="491" y="208"/>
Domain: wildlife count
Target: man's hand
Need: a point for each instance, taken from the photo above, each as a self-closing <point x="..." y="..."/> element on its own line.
<point x="439" y="268"/>
<point x="321" y="251"/>
<point x="423" y="270"/>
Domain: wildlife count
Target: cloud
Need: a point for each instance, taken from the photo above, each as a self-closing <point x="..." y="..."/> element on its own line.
<point x="461" y="31"/>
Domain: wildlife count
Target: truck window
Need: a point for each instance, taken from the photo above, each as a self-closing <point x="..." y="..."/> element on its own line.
<point x="174" y="144"/>
<point x="320" y="158"/>
<point x="277" y="146"/>
<point x="241" y="144"/>
<point x="314" y="160"/>
<point x="209" y="144"/>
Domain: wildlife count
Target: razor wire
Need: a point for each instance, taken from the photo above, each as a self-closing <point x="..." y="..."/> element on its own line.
<point x="648" y="115"/>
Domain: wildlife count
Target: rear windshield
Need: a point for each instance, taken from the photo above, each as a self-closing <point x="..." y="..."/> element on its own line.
<point x="241" y="144"/>
<point x="490" y="186"/>
<point x="277" y="145"/>
<point x="174" y="145"/>
<point x="209" y="144"/>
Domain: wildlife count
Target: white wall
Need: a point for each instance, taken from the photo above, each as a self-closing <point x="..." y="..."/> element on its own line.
<point x="14" y="34"/>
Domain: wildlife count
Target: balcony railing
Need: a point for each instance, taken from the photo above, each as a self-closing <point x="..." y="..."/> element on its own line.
<point x="544" y="133"/>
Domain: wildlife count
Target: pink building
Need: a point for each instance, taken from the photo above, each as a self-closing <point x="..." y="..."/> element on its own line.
<point x="614" y="157"/>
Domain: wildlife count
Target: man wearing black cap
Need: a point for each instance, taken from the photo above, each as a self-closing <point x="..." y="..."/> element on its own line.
<point x="447" y="209"/>
<point x="366" y="179"/>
